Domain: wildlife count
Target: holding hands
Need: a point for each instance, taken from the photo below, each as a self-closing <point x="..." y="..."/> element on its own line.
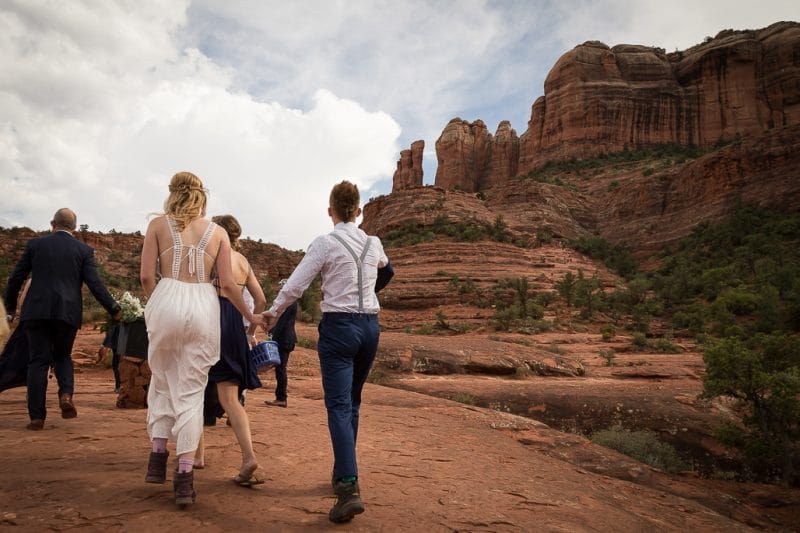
<point x="269" y="318"/>
<point x="256" y="320"/>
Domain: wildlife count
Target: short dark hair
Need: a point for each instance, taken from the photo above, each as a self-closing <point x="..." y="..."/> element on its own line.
<point x="65" y="218"/>
<point x="344" y="200"/>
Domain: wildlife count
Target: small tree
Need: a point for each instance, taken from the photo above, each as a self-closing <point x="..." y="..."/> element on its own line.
<point x="764" y="374"/>
<point x="588" y="294"/>
<point x="566" y="287"/>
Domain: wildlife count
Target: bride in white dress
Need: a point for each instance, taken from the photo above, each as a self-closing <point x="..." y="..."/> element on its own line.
<point x="181" y="248"/>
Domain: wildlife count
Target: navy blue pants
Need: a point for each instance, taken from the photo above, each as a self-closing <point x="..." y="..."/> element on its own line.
<point x="49" y="343"/>
<point x="347" y="346"/>
<point x="281" y="378"/>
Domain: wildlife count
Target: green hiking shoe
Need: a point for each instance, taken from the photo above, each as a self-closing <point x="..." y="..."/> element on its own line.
<point x="348" y="502"/>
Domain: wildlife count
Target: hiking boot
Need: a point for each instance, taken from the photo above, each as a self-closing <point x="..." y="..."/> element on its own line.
<point x="157" y="467"/>
<point x="348" y="502"/>
<point x="37" y="424"/>
<point x="183" y="482"/>
<point x="276" y="403"/>
<point x="67" y="407"/>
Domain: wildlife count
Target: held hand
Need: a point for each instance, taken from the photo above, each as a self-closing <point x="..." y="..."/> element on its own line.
<point x="117" y="316"/>
<point x="255" y="320"/>
<point x="269" y="320"/>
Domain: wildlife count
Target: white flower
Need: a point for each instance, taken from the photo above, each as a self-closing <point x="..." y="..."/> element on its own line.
<point x="131" y="308"/>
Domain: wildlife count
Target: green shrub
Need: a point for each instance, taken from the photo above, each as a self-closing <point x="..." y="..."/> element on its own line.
<point x="639" y="339"/>
<point x="377" y="376"/>
<point x="469" y="230"/>
<point x="544" y="236"/>
<point x="555" y="348"/>
<point x="426" y="329"/>
<point x="738" y="301"/>
<point x="463" y="397"/>
<point x="307" y="343"/>
<point x="545" y="298"/>
<point x="608" y="331"/>
<point x="308" y="304"/>
<point x="521" y="371"/>
<point x="617" y="258"/>
<point x="609" y="356"/>
<point x="692" y="317"/>
<point x="644" y="446"/>
<point x="664" y="346"/>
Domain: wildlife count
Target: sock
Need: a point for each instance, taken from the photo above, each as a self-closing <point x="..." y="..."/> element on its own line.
<point x="349" y="479"/>
<point x="185" y="465"/>
<point x="159" y="445"/>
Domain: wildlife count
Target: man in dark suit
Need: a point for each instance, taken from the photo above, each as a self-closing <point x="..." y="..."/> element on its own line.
<point x="59" y="265"/>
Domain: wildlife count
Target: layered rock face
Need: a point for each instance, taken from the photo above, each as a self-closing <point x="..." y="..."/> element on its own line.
<point x="741" y="85"/>
<point x="409" y="168"/>
<point x="647" y="212"/>
<point x="471" y="159"/>
<point x="422" y="206"/>
<point x="462" y="151"/>
<point x="599" y="99"/>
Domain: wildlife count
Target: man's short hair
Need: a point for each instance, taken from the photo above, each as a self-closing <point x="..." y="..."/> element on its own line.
<point x="65" y="218"/>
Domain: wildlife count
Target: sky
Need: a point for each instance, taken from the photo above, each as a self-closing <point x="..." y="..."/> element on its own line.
<point x="271" y="103"/>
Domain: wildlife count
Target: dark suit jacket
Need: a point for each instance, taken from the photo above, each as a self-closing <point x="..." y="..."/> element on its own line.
<point x="60" y="264"/>
<point x="283" y="331"/>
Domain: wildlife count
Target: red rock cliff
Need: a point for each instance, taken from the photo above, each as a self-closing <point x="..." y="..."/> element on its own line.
<point x="599" y="99"/>
<point x="409" y="168"/>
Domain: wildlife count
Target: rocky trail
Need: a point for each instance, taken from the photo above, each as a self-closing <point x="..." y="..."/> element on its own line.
<point x="427" y="464"/>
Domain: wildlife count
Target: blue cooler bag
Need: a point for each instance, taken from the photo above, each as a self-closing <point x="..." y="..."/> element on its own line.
<point x="265" y="354"/>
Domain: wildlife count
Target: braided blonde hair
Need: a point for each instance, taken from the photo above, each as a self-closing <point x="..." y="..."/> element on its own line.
<point x="186" y="200"/>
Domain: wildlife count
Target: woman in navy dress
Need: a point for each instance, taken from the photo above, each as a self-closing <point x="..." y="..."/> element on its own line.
<point x="235" y="370"/>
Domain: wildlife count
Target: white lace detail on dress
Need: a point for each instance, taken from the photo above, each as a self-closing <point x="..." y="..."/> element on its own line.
<point x="194" y="255"/>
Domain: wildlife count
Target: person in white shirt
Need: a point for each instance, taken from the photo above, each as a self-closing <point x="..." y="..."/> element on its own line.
<point x="353" y="267"/>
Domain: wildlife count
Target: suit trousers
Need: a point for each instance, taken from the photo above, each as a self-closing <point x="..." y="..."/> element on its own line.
<point x="348" y="343"/>
<point x="50" y="343"/>
<point x="281" y="378"/>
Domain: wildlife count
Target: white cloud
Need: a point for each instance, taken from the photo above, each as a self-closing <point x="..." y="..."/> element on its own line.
<point x="678" y="24"/>
<point x="271" y="102"/>
<point x="103" y="136"/>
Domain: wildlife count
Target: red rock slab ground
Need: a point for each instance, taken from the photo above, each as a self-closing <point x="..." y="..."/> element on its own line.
<point x="426" y="465"/>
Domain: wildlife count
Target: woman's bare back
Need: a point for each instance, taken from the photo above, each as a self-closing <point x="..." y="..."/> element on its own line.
<point x="188" y="255"/>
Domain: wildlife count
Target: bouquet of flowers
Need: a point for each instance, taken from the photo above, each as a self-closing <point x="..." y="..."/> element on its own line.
<point x="131" y="307"/>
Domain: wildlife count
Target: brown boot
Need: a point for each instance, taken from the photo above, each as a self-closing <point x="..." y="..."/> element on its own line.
<point x="157" y="467"/>
<point x="184" y="488"/>
<point x="67" y="406"/>
<point x="348" y="502"/>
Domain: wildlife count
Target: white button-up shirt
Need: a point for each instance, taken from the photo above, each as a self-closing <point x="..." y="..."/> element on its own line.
<point x="328" y="256"/>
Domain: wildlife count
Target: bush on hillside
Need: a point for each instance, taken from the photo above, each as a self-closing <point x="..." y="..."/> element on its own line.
<point x="644" y="446"/>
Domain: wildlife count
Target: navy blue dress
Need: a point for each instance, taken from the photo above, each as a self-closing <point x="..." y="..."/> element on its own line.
<point x="235" y="364"/>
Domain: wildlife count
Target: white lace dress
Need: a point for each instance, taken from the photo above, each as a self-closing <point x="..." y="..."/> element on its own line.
<point x="183" y="327"/>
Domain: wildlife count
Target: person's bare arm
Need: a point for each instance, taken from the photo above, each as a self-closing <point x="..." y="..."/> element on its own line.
<point x="227" y="283"/>
<point x="147" y="271"/>
<point x="259" y="300"/>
